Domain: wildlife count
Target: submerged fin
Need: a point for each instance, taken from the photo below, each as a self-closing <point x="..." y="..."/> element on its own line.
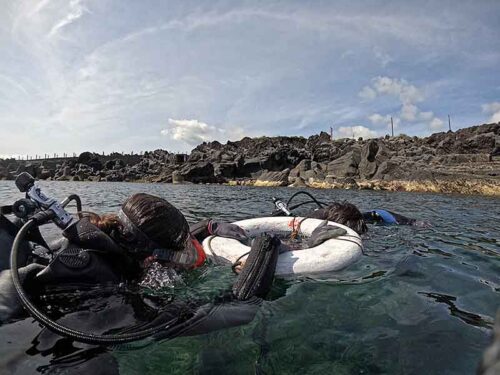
<point x="257" y="275"/>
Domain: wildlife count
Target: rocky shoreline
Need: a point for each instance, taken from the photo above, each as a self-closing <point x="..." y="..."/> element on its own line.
<point x="466" y="161"/>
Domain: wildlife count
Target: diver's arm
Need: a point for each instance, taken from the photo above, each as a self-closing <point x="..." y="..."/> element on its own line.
<point x="237" y="307"/>
<point x="389" y="217"/>
<point x="208" y="227"/>
<point x="200" y="230"/>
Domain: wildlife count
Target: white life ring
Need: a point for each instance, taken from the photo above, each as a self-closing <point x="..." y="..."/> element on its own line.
<point x="332" y="255"/>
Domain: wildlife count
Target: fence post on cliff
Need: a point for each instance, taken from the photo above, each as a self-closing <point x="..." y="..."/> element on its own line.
<point x="449" y="123"/>
<point x="392" y="127"/>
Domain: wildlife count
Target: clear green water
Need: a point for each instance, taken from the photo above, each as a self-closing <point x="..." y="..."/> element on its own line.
<point x="422" y="301"/>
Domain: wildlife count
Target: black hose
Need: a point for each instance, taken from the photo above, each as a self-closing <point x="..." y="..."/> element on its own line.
<point x="78" y="201"/>
<point x="304" y="203"/>
<point x="320" y="204"/>
<point x="237" y="262"/>
<point x="80" y="336"/>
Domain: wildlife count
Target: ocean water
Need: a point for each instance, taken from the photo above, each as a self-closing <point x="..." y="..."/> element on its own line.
<point x="421" y="300"/>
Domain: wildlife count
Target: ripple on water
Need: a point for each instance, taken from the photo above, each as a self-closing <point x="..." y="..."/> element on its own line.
<point x="416" y="299"/>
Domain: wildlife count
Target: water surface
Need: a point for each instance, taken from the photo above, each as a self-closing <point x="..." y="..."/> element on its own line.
<point x="422" y="301"/>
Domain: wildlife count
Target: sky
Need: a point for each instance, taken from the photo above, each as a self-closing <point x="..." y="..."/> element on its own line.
<point x="123" y="75"/>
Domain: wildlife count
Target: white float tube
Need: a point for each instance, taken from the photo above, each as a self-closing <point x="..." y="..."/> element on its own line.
<point x="332" y="255"/>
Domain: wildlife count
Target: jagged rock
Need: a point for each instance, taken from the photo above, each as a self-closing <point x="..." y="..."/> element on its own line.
<point x="313" y="175"/>
<point x="196" y="155"/>
<point x="46" y="173"/>
<point x="225" y="170"/>
<point x="119" y="164"/>
<point x="368" y="166"/>
<point x="317" y="161"/>
<point x="307" y="170"/>
<point x="66" y="171"/>
<point x="373" y="154"/>
<point x="4" y="173"/>
<point x="299" y="182"/>
<point x="271" y="178"/>
<point x="463" y="158"/>
<point x="86" y="157"/>
<point x="20" y="169"/>
<point x="251" y="166"/>
<point x="177" y="177"/>
<point x="177" y="158"/>
<point x="113" y="177"/>
<point x="200" y="172"/>
<point x="347" y="165"/>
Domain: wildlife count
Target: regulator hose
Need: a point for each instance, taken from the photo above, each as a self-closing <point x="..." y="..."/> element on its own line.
<point x="295" y="206"/>
<point x="78" y="201"/>
<point x="313" y="199"/>
<point x="55" y="327"/>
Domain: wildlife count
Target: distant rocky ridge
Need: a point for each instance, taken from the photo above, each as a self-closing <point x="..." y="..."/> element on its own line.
<point x="465" y="161"/>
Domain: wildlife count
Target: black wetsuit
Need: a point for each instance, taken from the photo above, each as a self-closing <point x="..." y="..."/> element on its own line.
<point x="376" y="216"/>
<point x="89" y="257"/>
<point x="386" y="217"/>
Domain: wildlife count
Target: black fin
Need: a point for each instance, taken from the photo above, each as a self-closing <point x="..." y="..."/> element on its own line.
<point x="257" y="275"/>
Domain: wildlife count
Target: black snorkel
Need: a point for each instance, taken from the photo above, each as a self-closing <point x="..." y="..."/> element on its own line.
<point x="37" y="209"/>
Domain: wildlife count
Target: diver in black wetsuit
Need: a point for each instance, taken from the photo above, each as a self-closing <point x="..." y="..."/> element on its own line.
<point x="116" y="248"/>
<point x="387" y="217"/>
<point x="348" y="214"/>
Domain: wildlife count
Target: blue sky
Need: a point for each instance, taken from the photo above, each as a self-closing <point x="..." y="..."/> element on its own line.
<point x="121" y="75"/>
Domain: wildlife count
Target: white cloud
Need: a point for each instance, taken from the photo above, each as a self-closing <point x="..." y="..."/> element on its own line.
<point x="408" y="95"/>
<point x="399" y="88"/>
<point x="367" y="93"/>
<point x="426" y="116"/>
<point x="495" y="117"/>
<point x="378" y="119"/>
<point x="191" y="132"/>
<point x="356" y="131"/>
<point x="409" y="112"/>
<point x="382" y="57"/>
<point x="493" y="109"/>
<point x="436" y="124"/>
<point x="76" y="10"/>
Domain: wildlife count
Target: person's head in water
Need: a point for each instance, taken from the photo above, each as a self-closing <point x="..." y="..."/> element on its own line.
<point x="146" y="222"/>
<point x="344" y="213"/>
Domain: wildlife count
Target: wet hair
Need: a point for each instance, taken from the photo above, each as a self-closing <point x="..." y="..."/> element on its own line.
<point x="153" y="217"/>
<point x="156" y="218"/>
<point x="107" y="222"/>
<point x="344" y="213"/>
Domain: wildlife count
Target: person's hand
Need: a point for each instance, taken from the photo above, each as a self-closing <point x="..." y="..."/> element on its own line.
<point x="227" y="230"/>
<point x="323" y="233"/>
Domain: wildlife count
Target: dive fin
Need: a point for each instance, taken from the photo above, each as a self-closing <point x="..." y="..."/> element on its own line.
<point x="257" y="275"/>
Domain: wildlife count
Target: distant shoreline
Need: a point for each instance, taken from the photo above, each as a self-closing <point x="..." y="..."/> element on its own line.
<point x="480" y="188"/>
<point x="463" y="162"/>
